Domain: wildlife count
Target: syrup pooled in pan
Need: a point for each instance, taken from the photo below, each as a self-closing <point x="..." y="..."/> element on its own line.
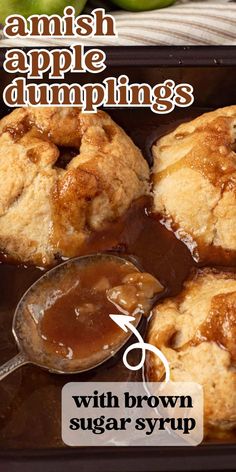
<point x="140" y="234"/>
<point x="30" y="399"/>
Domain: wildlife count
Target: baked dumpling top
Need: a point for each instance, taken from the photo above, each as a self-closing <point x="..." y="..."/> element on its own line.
<point x="196" y="331"/>
<point x="194" y="178"/>
<point x="47" y="211"/>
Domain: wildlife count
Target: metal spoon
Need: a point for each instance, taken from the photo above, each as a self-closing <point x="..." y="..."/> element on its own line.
<point x="25" y="325"/>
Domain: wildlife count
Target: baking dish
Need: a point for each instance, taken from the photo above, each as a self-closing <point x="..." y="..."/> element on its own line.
<point x="212" y="72"/>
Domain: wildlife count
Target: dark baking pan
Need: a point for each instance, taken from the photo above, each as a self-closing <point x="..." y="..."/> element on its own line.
<point x="212" y="72"/>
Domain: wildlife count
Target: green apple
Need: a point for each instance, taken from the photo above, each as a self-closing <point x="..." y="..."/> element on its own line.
<point x="37" y="7"/>
<point x="142" y="5"/>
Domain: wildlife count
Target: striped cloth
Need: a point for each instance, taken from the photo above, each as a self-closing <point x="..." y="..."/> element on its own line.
<point x="188" y="23"/>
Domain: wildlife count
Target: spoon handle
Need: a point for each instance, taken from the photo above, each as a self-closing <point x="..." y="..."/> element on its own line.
<point x="12" y="365"/>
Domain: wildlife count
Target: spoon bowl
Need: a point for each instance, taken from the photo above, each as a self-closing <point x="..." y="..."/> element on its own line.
<point x="30" y="311"/>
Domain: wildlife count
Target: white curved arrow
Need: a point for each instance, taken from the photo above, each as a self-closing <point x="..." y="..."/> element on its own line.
<point x="125" y="323"/>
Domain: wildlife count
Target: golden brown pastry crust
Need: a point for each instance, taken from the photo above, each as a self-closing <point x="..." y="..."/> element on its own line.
<point x="46" y="210"/>
<point x="196" y="331"/>
<point x="194" y="177"/>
